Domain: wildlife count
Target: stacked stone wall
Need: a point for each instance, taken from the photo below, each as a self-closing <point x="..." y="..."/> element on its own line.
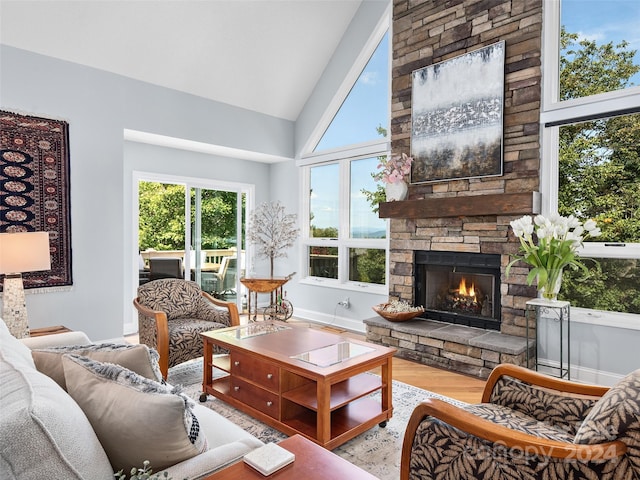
<point x="428" y="32"/>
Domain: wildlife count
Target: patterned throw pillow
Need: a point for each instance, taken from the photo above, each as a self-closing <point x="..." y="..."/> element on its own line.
<point x="565" y="412"/>
<point x="139" y="358"/>
<point x="135" y="419"/>
<point x="617" y="411"/>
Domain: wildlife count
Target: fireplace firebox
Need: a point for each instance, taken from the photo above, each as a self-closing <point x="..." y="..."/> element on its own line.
<point x="460" y="288"/>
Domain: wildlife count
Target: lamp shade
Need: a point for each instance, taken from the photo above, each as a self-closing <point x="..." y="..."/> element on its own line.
<point x="24" y="252"/>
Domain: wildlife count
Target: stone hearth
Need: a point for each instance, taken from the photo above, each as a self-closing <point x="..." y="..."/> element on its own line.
<point x="469" y="350"/>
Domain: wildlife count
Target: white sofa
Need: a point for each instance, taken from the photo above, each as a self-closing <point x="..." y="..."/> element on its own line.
<point x="45" y="434"/>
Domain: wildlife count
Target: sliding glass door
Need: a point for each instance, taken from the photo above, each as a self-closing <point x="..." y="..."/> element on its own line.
<point x="193" y="231"/>
<point x="216" y="249"/>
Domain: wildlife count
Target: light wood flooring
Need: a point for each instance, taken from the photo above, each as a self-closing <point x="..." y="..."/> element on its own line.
<point x="451" y="384"/>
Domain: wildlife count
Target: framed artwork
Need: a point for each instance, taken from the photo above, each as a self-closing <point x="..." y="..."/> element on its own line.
<point x="34" y="190"/>
<point x="457" y="116"/>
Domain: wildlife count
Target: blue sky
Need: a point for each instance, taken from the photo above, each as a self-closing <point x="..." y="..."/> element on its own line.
<point x="605" y="21"/>
<point x="366" y="106"/>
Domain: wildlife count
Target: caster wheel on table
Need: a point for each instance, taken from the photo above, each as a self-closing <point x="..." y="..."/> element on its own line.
<point x="203" y="397"/>
<point x="382" y="424"/>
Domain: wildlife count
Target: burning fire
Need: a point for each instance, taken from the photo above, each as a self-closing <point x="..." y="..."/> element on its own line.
<point x="468" y="298"/>
<point x="463" y="290"/>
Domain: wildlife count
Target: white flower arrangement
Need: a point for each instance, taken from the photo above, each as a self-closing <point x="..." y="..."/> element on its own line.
<point x="558" y="239"/>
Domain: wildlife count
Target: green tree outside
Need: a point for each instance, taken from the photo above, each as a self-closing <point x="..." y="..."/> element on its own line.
<point x="599" y="175"/>
<point x="162" y="216"/>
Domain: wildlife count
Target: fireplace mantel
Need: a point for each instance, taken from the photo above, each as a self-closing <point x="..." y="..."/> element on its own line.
<point x="526" y="203"/>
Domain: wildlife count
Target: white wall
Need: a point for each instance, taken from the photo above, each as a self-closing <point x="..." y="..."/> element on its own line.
<point x="601" y="350"/>
<point x="99" y="106"/>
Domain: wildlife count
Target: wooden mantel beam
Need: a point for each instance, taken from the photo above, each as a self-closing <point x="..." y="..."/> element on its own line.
<point x="526" y="203"/>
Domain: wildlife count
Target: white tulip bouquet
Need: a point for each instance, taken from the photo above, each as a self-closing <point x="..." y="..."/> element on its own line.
<point x="558" y="239"/>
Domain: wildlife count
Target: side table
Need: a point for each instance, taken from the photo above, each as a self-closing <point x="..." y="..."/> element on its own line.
<point x="39" y="332"/>
<point x="312" y="463"/>
<point x="555" y="316"/>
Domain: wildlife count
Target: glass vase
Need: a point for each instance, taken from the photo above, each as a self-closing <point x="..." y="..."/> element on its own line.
<point x="396" y="191"/>
<point x="551" y="288"/>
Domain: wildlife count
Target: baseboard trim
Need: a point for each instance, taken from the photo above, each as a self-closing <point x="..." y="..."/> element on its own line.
<point x="356" y="326"/>
<point x="583" y="374"/>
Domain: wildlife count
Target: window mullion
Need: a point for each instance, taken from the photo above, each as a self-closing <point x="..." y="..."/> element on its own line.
<point x="551" y="54"/>
<point x="344" y="230"/>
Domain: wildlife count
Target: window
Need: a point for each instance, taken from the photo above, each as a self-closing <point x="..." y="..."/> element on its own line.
<point x="365" y="108"/>
<point x="346" y="242"/>
<point x="342" y="224"/>
<point x="591" y="143"/>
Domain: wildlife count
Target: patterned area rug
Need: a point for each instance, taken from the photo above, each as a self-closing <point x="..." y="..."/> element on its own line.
<point x="377" y="451"/>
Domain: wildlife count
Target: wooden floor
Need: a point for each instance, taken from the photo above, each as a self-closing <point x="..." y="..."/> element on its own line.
<point x="451" y="384"/>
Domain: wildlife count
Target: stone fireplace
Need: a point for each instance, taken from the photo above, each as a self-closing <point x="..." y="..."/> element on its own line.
<point x="467" y="216"/>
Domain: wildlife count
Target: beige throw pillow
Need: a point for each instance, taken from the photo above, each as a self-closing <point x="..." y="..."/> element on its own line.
<point x="138" y="358"/>
<point x="135" y="419"/>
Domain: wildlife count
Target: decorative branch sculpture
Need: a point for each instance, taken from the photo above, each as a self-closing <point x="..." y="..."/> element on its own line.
<point x="272" y="231"/>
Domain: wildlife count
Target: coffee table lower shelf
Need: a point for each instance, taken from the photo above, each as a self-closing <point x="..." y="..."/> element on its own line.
<point x="359" y="416"/>
<point x="349" y="416"/>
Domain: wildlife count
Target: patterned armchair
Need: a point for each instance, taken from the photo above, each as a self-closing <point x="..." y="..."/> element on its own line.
<point x="529" y="426"/>
<point x="171" y="315"/>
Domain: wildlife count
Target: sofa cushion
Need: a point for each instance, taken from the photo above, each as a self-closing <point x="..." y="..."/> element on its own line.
<point x="18" y="352"/>
<point x="43" y="432"/>
<point x="138" y="358"/>
<point x="136" y="419"/>
<point x="617" y="411"/>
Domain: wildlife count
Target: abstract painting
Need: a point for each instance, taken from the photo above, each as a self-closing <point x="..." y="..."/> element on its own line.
<point x="457" y="117"/>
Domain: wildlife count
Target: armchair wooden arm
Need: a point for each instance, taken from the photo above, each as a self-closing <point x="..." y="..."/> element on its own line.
<point x="234" y="316"/>
<point x="162" y="334"/>
<point x="485" y="429"/>
<point x="539" y="379"/>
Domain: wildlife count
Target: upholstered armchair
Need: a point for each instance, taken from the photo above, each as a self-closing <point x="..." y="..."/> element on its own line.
<point x="528" y="426"/>
<point x="171" y="315"/>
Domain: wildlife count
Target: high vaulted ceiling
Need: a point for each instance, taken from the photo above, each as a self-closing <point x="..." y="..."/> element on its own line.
<point x="262" y="55"/>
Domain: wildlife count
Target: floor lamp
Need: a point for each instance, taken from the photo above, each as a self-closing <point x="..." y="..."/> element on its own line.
<point x="20" y="252"/>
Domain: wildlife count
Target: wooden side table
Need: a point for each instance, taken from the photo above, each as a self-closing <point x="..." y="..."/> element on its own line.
<point x="39" y="332"/>
<point x="312" y="463"/>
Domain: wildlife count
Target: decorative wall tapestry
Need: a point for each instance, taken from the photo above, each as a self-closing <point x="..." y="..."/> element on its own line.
<point x="34" y="189"/>
<point x="457" y="114"/>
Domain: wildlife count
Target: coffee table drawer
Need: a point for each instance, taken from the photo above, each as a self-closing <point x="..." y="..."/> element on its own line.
<point x="260" y="372"/>
<point x="259" y="398"/>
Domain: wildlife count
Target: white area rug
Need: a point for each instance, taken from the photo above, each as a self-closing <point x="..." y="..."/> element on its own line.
<point x="377" y="450"/>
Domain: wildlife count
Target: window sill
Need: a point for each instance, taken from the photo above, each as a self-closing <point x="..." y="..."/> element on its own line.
<point x="603" y="318"/>
<point x="351" y="286"/>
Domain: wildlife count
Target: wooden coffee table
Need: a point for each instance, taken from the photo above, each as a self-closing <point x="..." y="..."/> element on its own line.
<point x="312" y="463"/>
<point x="300" y="380"/>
